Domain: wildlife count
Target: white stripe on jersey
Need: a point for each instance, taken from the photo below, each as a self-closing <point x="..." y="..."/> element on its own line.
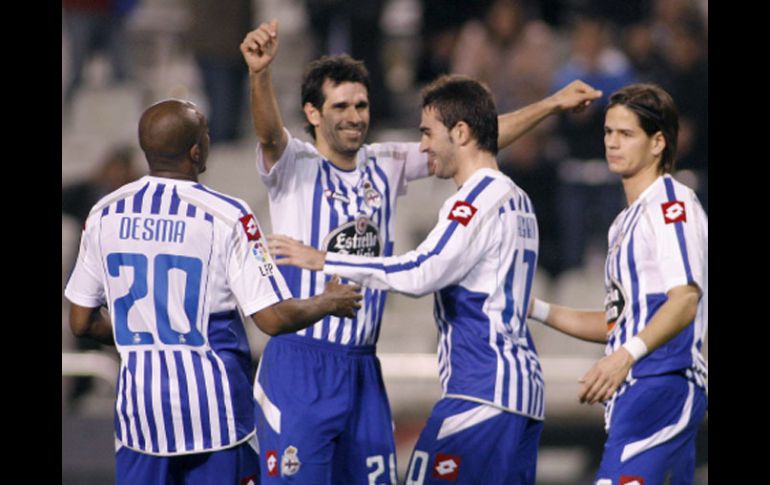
<point x="123" y="426"/>
<point x="141" y="406"/>
<point x="194" y="398"/>
<point x="467" y="419"/>
<point x="211" y="397"/>
<point x="176" y="412"/>
<point x="157" y="403"/>
<point x="231" y="436"/>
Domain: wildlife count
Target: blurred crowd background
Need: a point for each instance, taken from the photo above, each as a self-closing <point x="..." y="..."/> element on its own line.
<point x="118" y="56"/>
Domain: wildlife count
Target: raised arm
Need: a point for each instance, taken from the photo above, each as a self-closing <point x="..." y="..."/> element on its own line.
<point x="259" y="48"/>
<point x="574" y="96"/>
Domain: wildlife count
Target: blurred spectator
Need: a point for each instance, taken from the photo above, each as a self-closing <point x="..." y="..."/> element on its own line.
<point x="353" y="27"/>
<point x="588" y="195"/>
<point x="216" y="31"/>
<point x="94" y="26"/>
<point x="116" y="170"/>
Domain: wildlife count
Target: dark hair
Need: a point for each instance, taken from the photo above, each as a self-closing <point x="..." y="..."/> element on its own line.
<point x="337" y="69"/>
<point x="656" y="112"/>
<point x="459" y="98"/>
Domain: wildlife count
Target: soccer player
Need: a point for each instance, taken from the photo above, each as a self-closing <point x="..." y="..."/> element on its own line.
<point x="337" y="194"/>
<point x="173" y="261"/>
<point x="652" y="380"/>
<point x="480" y="261"/>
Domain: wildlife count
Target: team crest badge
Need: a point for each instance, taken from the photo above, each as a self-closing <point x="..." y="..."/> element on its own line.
<point x="673" y="211"/>
<point x="372" y="197"/>
<point x="290" y="462"/>
<point x="446" y="467"/>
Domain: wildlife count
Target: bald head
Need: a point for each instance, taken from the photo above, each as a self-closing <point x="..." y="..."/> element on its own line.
<point x="173" y="132"/>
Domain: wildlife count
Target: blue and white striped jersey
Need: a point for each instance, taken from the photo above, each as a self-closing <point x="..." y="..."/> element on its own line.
<point x="480" y="261"/>
<point x="346" y="212"/>
<point x="173" y="261"/>
<point x="658" y="242"/>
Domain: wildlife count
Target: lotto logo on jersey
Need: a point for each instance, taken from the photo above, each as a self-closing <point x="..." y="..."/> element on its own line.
<point x="446" y="467"/>
<point x="250" y="480"/>
<point x="271" y="458"/>
<point x="249" y="224"/>
<point x="462" y="212"/>
<point x="673" y="211"/>
<point x="626" y="480"/>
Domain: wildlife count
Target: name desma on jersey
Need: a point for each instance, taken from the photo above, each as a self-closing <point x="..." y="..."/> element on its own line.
<point x="257" y="245"/>
<point x="360" y="237"/>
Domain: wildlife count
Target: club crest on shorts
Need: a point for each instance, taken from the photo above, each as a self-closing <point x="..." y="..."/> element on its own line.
<point x="446" y="467"/>
<point x="627" y="480"/>
<point x="290" y="462"/>
<point x="250" y="480"/>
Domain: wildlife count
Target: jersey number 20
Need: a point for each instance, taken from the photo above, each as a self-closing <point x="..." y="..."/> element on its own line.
<point x="162" y="264"/>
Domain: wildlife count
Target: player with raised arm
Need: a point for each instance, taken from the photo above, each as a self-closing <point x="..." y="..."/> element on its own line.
<point x="480" y="261"/>
<point x="173" y="261"/>
<point x="652" y="380"/>
<point x="337" y="194"/>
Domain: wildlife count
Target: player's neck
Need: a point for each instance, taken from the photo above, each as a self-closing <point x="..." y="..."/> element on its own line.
<point x="634" y="186"/>
<point x="174" y="175"/>
<point x="469" y="164"/>
<point x="340" y="160"/>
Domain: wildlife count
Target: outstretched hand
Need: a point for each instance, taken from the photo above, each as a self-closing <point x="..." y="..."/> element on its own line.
<point x="345" y="299"/>
<point x="576" y="96"/>
<point x="603" y="379"/>
<point x="260" y="46"/>
<point x="288" y="251"/>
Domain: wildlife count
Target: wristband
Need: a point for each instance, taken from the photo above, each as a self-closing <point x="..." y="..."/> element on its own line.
<point x="636" y="347"/>
<point x="540" y="310"/>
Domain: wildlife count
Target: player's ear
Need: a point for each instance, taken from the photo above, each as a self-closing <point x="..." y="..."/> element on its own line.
<point x="195" y="153"/>
<point x="312" y="114"/>
<point x="462" y="132"/>
<point x="658" y="143"/>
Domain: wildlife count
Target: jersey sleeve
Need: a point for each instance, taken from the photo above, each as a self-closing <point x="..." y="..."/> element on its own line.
<point x="449" y="252"/>
<point x="679" y="229"/>
<point x="85" y="286"/>
<point x="251" y="272"/>
<point x="282" y="175"/>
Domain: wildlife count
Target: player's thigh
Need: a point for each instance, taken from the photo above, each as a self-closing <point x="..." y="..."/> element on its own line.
<point x="366" y="451"/>
<point x="475" y="444"/>
<point x="652" y="432"/>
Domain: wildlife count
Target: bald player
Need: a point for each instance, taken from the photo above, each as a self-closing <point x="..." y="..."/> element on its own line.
<point x="173" y="261"/>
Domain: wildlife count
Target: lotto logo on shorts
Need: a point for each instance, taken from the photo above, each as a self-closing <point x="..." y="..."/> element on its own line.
<point x="673" y="211"/>
<point x="446" y="467"/>
<point x="271" y="458"/>
<point x="626" y="480"/>
<point x="462" y="212"/>
<point x="250" y="480"/>
<point x="250" y="226"/>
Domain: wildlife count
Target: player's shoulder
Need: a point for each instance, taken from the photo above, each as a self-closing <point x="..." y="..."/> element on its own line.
<point x="221" y="206"/>
<point x="118" y="194"/>
<point x="388" y="151"/>
<point x="302" y="149"/>
<point x="666" y="189"/>
<point x="488" y="187"/>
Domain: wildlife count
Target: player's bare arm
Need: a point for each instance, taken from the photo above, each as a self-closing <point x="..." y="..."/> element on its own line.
<point x="679" y="310"/>
<point x="293" y="315"/>
<point x="294" y="253"/>
<point x="259" y="48"/>
<point x="589" y="325"/>
<point x="575" y="96"/>
<point x="91" y="322"/>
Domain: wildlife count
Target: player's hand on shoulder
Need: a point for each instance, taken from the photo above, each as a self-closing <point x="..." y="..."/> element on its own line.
<point x="260" y="46"/>
<point x="345" y="299"/>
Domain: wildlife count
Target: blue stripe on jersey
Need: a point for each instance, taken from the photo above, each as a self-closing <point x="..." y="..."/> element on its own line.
<point x="512" y="204"/>
<point x="333" y="218"/>
<point x="209" y="217"/>
<point x="385" y="195"/>
<point x="679" y="231"/>
<point x="184" y="399"/>
<point x="315" y="230"/>
<point x="174" y="209"/>
<point x="165" y="398"/>
<point x="346" y="205"/>
<point x="219" y="394"/>
<point x="134" y="400"/>
<point x="191" y="210"/>
<point x="123" y="408"/>
<point x="227" y="199"/>
<point x="138" y="197"/>
<point x="530" y="389"/>
<point x="148" y="404"/>
<point x="634" y="285"/>
<point x="519" y="378"/>
<point x="526" y="205"/>
<point x="275" y="288"/>
<point x="156" y="198"/>
<point x="500" y="341"/>
<point x="508" y="290"/>
<point x="105" y="211"/>
<point x="121" y="206"/>
<point x="200" y="381"/>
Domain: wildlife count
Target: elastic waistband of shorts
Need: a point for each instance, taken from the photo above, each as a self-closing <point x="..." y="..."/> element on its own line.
<point x="310" y="342"/>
